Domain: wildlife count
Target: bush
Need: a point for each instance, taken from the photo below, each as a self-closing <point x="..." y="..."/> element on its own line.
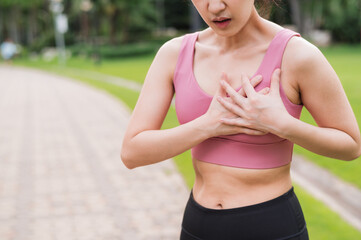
<point x="47" y="39"/>
<point x="342" y="18"/>
<point x="118" y="51"/>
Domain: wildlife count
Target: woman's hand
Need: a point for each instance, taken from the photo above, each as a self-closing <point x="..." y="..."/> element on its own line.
<point x="219" y="110"/>
<point x="256" y="110"/>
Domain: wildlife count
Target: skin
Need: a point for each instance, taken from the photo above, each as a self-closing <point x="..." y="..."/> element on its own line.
<point x="234" y="53"/>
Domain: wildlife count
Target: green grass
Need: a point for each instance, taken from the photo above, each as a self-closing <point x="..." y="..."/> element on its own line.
<point x="322" y="222"/>
<point x="128" y="68"/>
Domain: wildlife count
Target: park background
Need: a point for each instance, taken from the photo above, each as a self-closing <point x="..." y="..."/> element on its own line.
<point x="119" y="38"/>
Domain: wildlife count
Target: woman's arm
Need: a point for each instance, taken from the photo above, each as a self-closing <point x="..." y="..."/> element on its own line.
<point x="337" y="134"/>
<point x="144" y="143"/>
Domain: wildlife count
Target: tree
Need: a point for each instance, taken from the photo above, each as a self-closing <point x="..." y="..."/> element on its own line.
<point x="20" y="17"/>
<point x="341" y="17"/>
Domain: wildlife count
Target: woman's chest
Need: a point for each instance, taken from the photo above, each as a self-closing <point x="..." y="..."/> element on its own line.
<point x="208" y="69"/>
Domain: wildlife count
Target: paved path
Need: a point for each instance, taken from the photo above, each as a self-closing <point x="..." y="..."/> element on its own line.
<point x="340" y="196"/>
<point x="60" y="172"/>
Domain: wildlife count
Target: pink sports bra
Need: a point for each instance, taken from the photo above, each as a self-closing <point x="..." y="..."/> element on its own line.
<point x="240" y="150"/>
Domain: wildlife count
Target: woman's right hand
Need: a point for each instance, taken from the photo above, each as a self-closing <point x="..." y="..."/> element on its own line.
<point x="216" y="112"/>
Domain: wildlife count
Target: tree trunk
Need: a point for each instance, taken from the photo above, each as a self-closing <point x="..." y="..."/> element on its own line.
<point x="160" y="17"/>
<point x="2" y="29"/>
<point x="301" y="17"/>
<point x="32" y="26"/>
<point x="296" y="14"/>
<point x="13" y="24"/>
<point x="85" y="26"/>
<point x="125" y="26"/>
<point x="113" y="20"/>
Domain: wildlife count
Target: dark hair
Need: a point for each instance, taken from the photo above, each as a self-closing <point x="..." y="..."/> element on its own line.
<point x="264" y="7"/>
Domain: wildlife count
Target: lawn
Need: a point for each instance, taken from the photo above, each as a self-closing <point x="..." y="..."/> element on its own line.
<point x="320" y="219"/>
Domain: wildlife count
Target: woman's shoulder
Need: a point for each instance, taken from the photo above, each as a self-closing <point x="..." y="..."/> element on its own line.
<point x="301" y="54"/>
<point x="173" y="45"/>
<point x="170" y="49"/>
<point x="304" y="63"/>
<point x="168" y="53"/>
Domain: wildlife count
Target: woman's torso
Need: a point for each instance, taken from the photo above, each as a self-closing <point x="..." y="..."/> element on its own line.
<point x="218" y="186"/>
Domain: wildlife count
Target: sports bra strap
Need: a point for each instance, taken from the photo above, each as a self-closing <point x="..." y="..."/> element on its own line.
<point x="277" y="48"/>
<point x="185" y="57"/>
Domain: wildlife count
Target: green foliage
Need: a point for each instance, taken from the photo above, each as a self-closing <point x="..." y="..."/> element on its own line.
<point x="115" y="51"/>
<point x="143" y="19"/>
<point x="177" y="13"/>
<point x="342" y="17"/>
<point x="23" y="4"/>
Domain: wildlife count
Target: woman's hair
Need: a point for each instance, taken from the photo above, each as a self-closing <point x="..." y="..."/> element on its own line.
<point x="264" y="6"/>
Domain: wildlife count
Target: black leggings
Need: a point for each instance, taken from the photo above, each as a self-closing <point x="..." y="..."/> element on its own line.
<point x="278" y="219"/>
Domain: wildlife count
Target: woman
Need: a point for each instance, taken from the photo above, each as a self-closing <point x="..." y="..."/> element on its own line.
<point x="241" y="137"/>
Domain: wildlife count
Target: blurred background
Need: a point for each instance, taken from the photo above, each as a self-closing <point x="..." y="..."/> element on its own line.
<point x="60" y="172"/>
<point x="116" y="28"/>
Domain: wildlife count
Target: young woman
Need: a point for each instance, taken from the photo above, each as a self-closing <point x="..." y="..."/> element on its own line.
<point x="240" y="86"/>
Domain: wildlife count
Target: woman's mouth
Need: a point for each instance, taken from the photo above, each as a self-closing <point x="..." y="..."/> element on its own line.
<point x="222" y="22"/>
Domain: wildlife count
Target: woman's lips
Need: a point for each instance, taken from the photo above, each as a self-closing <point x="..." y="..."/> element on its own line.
<point x="222" y="23"/>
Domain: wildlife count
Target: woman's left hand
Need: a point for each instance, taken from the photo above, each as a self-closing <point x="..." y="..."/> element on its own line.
<point x="264" y="112"/>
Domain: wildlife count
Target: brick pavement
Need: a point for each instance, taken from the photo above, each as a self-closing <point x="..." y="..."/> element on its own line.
<point x="60" y="172"/>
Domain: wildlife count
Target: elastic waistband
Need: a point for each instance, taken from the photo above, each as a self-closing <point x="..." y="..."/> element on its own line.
<point x="284" y="197"/>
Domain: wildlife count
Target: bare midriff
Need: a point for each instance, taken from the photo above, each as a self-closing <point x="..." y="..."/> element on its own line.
<point x="222" y="187"/>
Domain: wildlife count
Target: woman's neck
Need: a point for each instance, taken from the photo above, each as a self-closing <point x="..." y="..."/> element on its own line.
<point x="255" y="31"/>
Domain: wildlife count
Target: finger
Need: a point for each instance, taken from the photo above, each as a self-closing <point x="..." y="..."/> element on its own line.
<point x="254" y="82"/>
<point x="264" y="91"/>
<point x="275" y="82"/>
<point x="240" y="124"/>
<point x="220" y="90"/>
<point x="235" y="96"/>
<point x="246" y="85"/>
<point x="230" y="106"/>
<point x="252" y="132"/>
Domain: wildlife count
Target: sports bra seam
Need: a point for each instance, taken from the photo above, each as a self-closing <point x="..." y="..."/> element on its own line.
<point x="190" y="234"/>
<point x="294" y="235"/>
<point x="241" y="142"/>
